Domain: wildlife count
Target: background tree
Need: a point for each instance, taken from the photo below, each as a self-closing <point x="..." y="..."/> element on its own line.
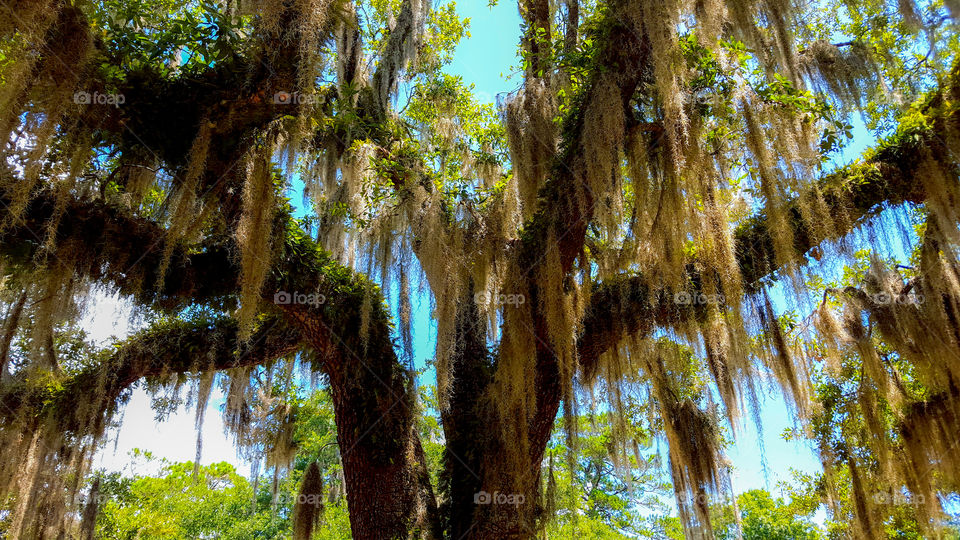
<point x="662" y="165"/>
<point x="867" y="390"/>
<point x="604" y="497"/>
<point x="181" y="500"/>
<point x="762" y="516"/>
<point x="177" y="505"/>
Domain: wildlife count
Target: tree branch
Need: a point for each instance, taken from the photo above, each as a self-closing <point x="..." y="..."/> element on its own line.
<point x="566" y="207"/>
<point x="885" y="177"/>
<point x="168" y="348"/>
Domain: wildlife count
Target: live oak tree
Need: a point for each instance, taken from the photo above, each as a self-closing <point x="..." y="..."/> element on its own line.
<point x="612" y="234"/>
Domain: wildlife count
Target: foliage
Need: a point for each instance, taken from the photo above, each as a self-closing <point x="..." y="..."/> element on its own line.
<point x="762" y="516"/>
<point x="214" y="501"/>
<point x="604" y="497"/>
<point x="174" y="504"/>
<point x="215" y="504"/>
<point x="168" y="36"/>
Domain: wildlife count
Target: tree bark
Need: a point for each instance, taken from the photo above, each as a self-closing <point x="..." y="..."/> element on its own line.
<point x="388" y="490"/>
<point x="465" y="427"/>
<point x="9" y="331"/>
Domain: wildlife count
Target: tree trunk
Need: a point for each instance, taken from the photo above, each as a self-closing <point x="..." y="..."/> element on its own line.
<point x="464" y="426"/>
<point x="483" y="500"/>
<point x="9" y="331"/>
<point x="388" y="488"/>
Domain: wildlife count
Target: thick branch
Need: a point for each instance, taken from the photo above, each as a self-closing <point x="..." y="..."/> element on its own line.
<point x="570" y="36"/>
<point x="235" y="96"/>
<point x="566" y="207"/>
<point x="373" y="402"/>
<point x="344" y="320"/>
<point x="885" y="177"/>
<point x="171" y="347"/>
<point x="107" y="244"/>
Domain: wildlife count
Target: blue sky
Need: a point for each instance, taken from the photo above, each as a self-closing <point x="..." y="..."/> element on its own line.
<point x="485" y="60"/>
<point x="488" y="57"/>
